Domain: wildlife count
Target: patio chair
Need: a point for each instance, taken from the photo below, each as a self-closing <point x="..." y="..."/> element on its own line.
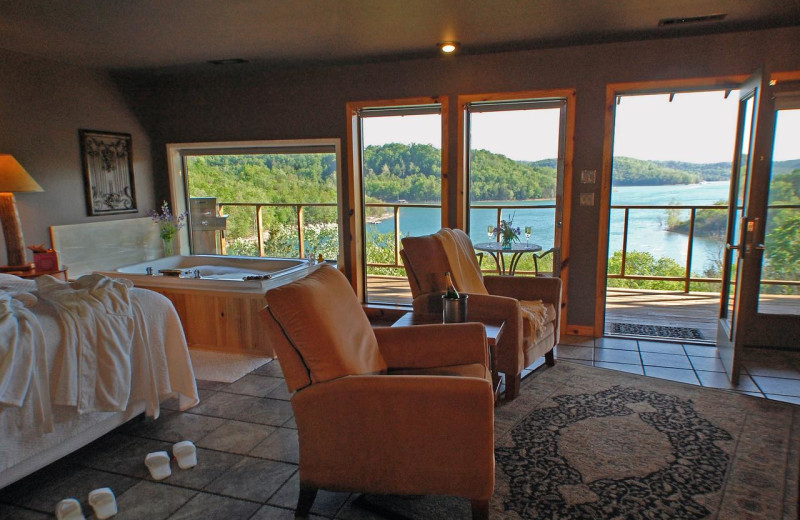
<point x="490" y="297"/>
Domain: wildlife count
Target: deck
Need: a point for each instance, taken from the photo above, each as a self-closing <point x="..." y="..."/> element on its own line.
<point x="631" y="306"/>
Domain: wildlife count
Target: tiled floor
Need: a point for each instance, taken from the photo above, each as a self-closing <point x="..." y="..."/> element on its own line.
<point x="248" y="451"/>
<point x="772" y="374"/>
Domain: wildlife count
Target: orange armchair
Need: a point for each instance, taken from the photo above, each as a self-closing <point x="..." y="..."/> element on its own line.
<point x="426" y="261"/>
<point x="406" y="410"/>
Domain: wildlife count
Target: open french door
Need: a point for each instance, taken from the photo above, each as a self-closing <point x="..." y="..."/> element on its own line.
<point x="744" y="247"/>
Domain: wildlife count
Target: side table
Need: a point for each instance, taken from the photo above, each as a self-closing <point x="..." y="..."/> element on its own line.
<point x="494" y="329"/>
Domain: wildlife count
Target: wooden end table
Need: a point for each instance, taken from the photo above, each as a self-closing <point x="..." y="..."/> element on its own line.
<point x="494" y="329"/>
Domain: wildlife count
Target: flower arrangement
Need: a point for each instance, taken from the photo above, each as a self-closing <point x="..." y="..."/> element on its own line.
<point x="168" y="224"/>
<point x="507" y="233"/>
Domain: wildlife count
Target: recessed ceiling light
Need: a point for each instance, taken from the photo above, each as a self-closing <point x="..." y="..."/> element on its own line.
<point x="448" y="47"/>
<point x="228" y="61"/>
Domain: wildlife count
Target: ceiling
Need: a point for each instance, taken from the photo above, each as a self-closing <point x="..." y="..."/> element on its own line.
<point x="142" y="34"/>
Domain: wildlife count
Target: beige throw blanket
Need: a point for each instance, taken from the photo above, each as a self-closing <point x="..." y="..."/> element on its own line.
<point x="464" y="267"/>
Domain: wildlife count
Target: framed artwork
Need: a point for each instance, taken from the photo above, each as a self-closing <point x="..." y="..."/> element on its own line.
<point x="108" y="172"/>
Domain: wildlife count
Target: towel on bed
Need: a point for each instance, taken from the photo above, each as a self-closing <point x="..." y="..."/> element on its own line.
<point x="23" y="361"/>
<point x="92" y="370"/>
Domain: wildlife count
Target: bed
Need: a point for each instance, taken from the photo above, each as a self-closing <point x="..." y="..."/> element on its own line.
<point x="75" y="392"/>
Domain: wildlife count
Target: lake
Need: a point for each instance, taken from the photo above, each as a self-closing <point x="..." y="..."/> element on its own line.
<point x="646" y="228"/>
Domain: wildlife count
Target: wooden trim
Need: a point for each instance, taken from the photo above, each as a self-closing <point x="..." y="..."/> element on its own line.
<point x="779" y="77"/>
<point x="355" y="251"/>
<point x="612" y="91"/>
<point x="569" y="149"/>
<point x="580" y="330"/>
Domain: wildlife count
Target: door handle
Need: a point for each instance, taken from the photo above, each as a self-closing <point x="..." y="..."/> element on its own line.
<point x="731" y="247"/>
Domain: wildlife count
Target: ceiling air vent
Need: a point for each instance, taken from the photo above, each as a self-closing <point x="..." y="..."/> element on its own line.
<point x="664" y="22"/>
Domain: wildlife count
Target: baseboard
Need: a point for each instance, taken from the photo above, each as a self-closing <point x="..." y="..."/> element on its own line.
<point x="580" y="330"/>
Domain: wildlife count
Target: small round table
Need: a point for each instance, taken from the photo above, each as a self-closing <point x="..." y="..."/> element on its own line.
<point x="517" y="249"/>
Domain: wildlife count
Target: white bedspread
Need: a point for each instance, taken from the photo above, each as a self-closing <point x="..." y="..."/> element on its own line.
<point x="159" y="367"/>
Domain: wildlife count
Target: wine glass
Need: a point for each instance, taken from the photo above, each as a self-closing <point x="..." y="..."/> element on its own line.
<point x="528" y="230"/>
<point x="490" y="231"/>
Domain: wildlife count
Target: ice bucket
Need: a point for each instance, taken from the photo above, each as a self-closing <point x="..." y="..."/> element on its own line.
<point x="454" y="310"/>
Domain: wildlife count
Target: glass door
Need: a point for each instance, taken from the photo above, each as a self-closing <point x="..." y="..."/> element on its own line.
<point x="743" y="242"/>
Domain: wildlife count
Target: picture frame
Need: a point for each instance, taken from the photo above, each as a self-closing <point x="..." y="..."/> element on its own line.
<point x="107" y="159"/>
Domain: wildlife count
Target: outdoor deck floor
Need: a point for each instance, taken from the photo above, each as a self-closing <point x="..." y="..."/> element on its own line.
<point x="631" y="306"/>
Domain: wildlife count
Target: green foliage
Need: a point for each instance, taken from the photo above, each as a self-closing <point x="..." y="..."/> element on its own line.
<point x="782" y="254"/>
<point x="636" y="172"/>
<point x="708" y="222"/>
<point x="496" y="177"/>
<point x="645" y="264"/>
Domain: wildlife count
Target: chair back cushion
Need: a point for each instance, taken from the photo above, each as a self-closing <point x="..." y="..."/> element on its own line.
<point x="425" y="263"/>
<point x="324" y="322"/>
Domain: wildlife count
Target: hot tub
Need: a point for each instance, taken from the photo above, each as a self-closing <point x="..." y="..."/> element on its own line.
<point x="218" y="298"/>
<point x="212" y="272"/>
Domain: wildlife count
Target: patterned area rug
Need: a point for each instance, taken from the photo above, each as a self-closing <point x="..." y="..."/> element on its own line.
<point x="587" y="443"/>
<point x="659" y="331"/>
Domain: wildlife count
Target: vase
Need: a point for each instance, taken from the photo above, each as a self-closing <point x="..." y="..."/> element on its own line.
<point x="505" y="243"/>
<point x="167" y="244"/>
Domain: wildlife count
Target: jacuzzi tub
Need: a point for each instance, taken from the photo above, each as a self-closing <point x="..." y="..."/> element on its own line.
<point x="227" y="273"/>
<point x="220" y="310"/>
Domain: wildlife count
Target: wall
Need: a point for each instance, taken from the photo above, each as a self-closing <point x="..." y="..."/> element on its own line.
<point x="247" y="102"/>
<point x="42" y="106"/>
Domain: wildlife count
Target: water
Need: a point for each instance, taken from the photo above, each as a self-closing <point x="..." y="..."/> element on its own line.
<point x="646" y="228"/>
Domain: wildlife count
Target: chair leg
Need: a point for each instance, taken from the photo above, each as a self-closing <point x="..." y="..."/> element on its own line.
<point x="480" y="509"/>
<point x="549" y="358"/>
<point x="305" y="501"/>
<point x="512" y="386"/>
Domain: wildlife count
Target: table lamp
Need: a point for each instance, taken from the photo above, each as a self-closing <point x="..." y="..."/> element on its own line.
<point x="13" y="178"/>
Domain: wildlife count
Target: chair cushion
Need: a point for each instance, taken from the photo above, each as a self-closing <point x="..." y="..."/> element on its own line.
<point x="545" y="316"/>
<point x="323" y="319"/>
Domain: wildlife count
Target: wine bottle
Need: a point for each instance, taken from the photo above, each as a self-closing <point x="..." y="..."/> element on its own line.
<point x="450" y="292"/>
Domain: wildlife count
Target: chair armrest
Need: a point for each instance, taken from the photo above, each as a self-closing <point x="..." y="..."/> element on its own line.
<point x="398" y="434"/>
<point x="428" y="346"/>
<point x="525" y="288"/>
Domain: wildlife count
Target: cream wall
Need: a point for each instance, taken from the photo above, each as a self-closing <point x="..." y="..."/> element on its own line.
<point x="42" y="106"/>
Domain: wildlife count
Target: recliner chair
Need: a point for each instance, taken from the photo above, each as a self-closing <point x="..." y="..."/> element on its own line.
<point x="426" y="262"/>
<point x="402" y="410"/>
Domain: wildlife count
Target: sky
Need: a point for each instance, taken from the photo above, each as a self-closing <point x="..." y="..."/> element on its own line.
<point x="695" y="127"/>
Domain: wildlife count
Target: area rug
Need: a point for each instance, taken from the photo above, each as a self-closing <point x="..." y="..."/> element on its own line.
<point x="588" y="443"/>
<point x="222" y="366"/>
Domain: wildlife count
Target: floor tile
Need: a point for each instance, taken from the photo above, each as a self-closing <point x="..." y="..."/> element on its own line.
<point x="674" y="374"/>
<point x="281" y="445"/>
<point x="213" y="507"/>
<point x="246" y="408"/>
<point x="661" y="347"/>
<point x="210" y="385"/>
<point x="720" y="380"/>
<point x="210" y="465"/>
<point x="123" y="454"/>
<point x="151" y="501"/>
<point x="236" y="437"/>
<point x="253" y="479"/>
<point x="276" y="513"/>
<point x="47" y="490"/>
<point x="776" y="385"/>
<point x="178" y="427"/>
<point x="701" y="350"/>
<point x="578" y="361"/>
<point x="573" y="352"/>
<point x="617" y="356"/>
<point x="785" y="398"/>
<point x="280" y="392"/>
<point x="16" y="513"/>
<point x="581" y="341"/>
<point x="616" y="343"/>
<point x="774" y="369"/>
<point x="326" y="504"/>
<point x="708" y="364"/>
<point x="624" y="367"/>
<point x="271" y="369"/>
<point x="665" y="360"/>
<point x="257" y="386"/>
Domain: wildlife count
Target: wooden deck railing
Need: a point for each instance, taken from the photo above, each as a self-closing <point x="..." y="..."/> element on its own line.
<point x="394" y="208"/>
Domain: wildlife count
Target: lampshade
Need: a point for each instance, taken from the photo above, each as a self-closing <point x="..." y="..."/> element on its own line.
<point x="14" y="178"/>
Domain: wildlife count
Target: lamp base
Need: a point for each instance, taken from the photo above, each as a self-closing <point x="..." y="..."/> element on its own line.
<point x="9" y="268"/>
